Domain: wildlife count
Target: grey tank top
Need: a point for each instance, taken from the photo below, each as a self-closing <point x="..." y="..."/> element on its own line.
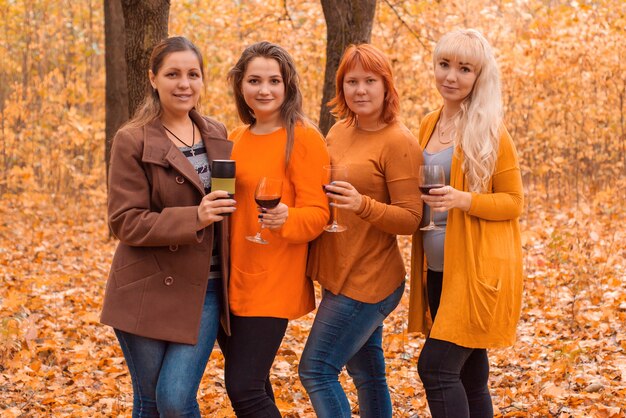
<point x="433" y="240"/>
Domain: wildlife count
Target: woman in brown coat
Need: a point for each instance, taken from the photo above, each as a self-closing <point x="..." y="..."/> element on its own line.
<point x="167" y="282"/>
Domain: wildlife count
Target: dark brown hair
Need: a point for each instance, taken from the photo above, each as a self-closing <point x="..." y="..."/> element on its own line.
<point x="291" y="110"/>
<point x="150" y="108"/>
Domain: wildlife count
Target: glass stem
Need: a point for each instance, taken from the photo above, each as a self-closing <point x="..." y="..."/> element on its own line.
<point x="432" y="221"/>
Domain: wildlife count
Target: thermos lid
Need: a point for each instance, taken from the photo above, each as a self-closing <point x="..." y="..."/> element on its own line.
<point x="224" y="169"/>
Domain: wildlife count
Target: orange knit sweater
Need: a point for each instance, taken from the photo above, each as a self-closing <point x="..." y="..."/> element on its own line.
<point x="269" y="280"/>
<point x="364" y="262"/>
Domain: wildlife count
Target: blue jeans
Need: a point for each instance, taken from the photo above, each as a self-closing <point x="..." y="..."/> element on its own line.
<point x="348" y="332"/>
<point x="166" y="375"/>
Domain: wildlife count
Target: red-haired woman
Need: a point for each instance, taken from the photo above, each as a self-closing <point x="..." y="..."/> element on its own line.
<point x="361" y="270"/>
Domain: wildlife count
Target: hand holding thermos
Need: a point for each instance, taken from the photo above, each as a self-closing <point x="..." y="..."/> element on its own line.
<point x="219" y="202"/>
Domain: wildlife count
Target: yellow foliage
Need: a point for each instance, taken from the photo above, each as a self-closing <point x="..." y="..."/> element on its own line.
<point x="564" y="83"/>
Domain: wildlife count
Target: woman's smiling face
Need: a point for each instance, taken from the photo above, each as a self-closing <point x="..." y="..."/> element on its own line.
<point x="454" y="79"/>
<point x="178" y="82"/>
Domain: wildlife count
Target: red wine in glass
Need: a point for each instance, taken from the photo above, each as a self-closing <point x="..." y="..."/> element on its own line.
<point x="267" y="195"/>
<point x="425" y="189"/>
<point x="267" y="202"/>
<point x="431" y="177"/>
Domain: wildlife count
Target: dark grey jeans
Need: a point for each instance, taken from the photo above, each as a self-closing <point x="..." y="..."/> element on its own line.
<point x="455" y="378"/>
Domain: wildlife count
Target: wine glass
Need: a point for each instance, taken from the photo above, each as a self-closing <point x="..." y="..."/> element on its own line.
<point x="431" y="177"/>
<point x="267" y="195"/>
<point x="336" y="173"/>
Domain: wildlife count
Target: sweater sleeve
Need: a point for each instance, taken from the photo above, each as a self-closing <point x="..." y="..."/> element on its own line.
<point x="506" y="201"/>
<point x="131" y="216"/>
<point x="400" y="160"/>
<point x="310" y="212"/>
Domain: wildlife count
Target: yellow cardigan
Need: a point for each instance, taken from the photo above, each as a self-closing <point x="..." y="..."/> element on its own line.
<point x="482" y="272"/>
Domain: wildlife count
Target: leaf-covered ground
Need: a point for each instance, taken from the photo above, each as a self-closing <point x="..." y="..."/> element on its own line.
<point x="56" y="360"/>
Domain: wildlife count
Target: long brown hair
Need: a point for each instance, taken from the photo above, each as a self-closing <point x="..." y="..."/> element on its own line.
<point x="150" y="108"/>
<point x="371" y="59"/>
<point x="291" y="111"/>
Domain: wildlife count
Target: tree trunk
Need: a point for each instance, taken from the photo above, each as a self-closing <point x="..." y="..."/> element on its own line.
<point x="347" y="22"/>
<point x="132" y="28"/>
<point x="116" y="92"/>
<point x="145" y="25"/>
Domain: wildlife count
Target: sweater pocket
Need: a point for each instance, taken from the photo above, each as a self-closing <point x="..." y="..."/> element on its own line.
<point x="247" y="290"/>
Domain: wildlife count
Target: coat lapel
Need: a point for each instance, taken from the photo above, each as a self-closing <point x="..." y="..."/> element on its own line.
<point x="159" y="150"/>
<point x="217" y="148"/>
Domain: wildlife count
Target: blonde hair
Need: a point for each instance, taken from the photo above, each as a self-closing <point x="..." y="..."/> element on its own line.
<point x="478" y="128"/>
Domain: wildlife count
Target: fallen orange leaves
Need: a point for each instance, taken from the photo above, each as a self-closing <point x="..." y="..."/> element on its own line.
<point x="57" y="360"/>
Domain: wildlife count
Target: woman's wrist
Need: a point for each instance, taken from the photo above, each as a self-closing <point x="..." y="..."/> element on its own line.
<point x="466" y="201"/>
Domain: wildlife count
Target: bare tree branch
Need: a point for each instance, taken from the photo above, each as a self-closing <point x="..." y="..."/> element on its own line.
<point x="405" y="24"/>
<point x="286" y="15"/>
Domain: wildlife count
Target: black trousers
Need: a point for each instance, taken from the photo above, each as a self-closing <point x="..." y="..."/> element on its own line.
<point x="248" y="354"/>
<point x="455" y="378"/>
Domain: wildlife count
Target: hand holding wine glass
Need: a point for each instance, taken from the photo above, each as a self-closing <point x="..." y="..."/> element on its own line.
<point x="267" y="195"/>
<point x="431" y="177"/>
<point x="335" y="173"/>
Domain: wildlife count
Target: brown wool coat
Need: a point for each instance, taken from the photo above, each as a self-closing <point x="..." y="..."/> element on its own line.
<point x="159" y="274"/>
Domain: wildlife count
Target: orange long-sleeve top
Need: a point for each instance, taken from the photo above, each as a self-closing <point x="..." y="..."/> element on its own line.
<point x="269" y="280"/>
<point x="364" y="262"/>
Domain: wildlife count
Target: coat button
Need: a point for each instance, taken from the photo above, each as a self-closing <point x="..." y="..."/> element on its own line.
<point x="174" y="247"/>
<point x="169" y="280"/>
<point x="180" y="179"/>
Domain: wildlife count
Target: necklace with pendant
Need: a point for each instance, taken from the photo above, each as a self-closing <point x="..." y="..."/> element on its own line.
<point x="193" y="138"/>
<point x="443" y="128"/>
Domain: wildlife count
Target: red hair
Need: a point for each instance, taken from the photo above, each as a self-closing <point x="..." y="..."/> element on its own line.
<point x="373" y="60"/>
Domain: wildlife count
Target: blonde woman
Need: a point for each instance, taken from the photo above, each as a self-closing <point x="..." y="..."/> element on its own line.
<point x="473" y="282"/>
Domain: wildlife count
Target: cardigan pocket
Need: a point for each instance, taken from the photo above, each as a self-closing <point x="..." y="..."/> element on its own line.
<point x="483" y="299"/>
<point x="492" y="266"/>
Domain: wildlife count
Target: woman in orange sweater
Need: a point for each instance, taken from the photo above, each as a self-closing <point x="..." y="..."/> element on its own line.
<point x="361" y="269"/>
<point x="268" y="285"/>
<point x="473" y="284"/>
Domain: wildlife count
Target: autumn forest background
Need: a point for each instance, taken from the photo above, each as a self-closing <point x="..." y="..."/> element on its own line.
<point x="563" y="67"/>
